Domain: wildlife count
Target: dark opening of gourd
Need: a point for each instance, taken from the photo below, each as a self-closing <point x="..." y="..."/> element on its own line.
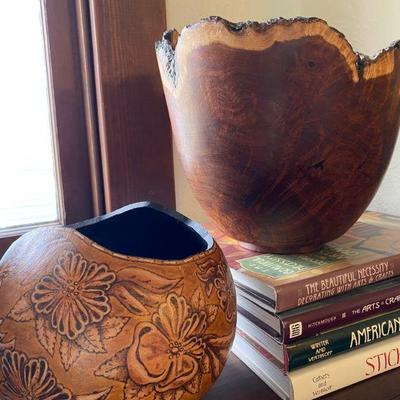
<point x="148" y="231"/>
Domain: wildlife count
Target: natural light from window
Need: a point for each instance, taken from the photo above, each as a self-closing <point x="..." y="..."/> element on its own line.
<point x="28" y="189"/>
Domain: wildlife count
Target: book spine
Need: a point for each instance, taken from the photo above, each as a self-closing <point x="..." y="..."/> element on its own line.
<point x="328" y="376"/>
<point x="310" y="290"/>
<point x="337" y="314"/>
<point x="338" y="341"/>
<point x="345" y="370"/>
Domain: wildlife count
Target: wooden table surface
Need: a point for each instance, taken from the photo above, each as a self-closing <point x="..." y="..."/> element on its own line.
<point x="237" y="382"/>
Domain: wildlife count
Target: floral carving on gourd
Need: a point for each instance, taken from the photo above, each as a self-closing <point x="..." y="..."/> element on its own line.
<point x="171" y="353"/>
<point x="32" y="379"/>
<point x="26" y="378"/>
<point x="71" y="307"/>
<point x="74" y="296"/>
<point x="216" y="276"/>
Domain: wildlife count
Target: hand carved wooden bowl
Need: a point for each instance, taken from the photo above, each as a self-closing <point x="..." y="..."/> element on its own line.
<point x="138" y="304"/>
<point x="283" y="130"/>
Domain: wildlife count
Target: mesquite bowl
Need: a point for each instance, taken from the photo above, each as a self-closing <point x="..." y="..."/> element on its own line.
<point x="138" y="304"/>
<point x="284" y="131"/>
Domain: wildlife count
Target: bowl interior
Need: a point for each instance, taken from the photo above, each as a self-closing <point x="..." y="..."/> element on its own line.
<point x="147" y="230"/>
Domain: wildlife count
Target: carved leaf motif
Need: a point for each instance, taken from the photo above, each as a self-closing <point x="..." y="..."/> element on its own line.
<point x="137" y="288"/>
<point x="115" y="368"/>
<point x="198" y="300"/>
<point x="10" y="345"/>
<point x="46" y="336"/>
<point x="91" y="341"/>
<point x="209" y="288"/>
<point x="205" y="364"/>
<point x="215" y="363"/>
<point x="220" y="342"/>
<point x="128" y="300"/>
<point x="212" y="310"/>
<point x="207" y="273"/>
<point x="132" y="391"/>
<point x="149" y="281"/>
<point x="22" y="311"/>
<point x="95" y="396"/>
<point x="112" y="326"/>
<point x="179" y="394"/>
<point x="69" y="353"/>
<point x="194" y="385"/>
<point x="172" y="395"/>
<point x="92" y="334"/>
<point x="217" y="350"/>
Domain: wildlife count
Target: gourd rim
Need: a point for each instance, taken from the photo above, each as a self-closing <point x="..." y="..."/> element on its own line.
<point x="197" y="228"/>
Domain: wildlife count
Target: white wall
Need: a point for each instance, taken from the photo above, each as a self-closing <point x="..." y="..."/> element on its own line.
<point x="369" y="25"/>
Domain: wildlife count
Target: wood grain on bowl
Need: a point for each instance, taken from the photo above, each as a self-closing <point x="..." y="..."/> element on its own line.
<point x="284" y="131"/>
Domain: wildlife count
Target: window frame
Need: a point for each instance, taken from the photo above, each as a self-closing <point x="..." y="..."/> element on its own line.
<point x="89" y="163"/>
<point x="135" y="131"/>
<point x="68" y="121"/>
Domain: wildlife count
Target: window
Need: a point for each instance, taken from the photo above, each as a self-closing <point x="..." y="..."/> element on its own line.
<point x="45" y="169"/>
<point x="27" y="166"/>
<point x="93" y="134"/>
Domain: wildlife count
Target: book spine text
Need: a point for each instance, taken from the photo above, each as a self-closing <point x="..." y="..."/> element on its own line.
<point x="341" y="340"/>
<point x="338" y="314"/>
<point x="346" y="370"/>
<point x="329" y="376"/>
<point x="334" y="283"/>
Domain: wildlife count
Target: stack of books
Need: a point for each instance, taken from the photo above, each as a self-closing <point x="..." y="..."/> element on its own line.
<point x="311" y="324"/>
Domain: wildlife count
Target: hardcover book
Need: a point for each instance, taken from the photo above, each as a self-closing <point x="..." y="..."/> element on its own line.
<point x="323" y="378"/>
<point x="312" y="319"/>
<point x="369" y="252"/>
<point x="326" y="345"/>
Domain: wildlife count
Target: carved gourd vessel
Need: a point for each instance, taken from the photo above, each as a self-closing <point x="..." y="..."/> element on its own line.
<point x="284" y="131"/>
<point x="138" y="304"/>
